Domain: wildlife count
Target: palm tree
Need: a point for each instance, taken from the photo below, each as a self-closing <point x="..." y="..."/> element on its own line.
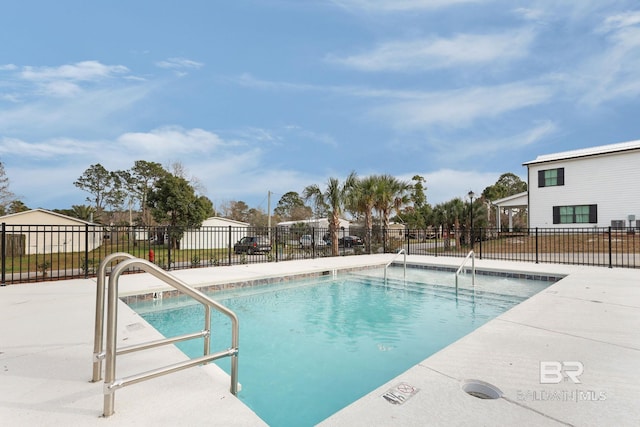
<point x="362" y="201"/>
<point x="84" y="212"/>
<point x="334" y="198"/>
<point x="455" y="212"/>
<point x="391" y="194"/>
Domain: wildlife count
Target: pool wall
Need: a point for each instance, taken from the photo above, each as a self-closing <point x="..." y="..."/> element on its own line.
<point x="217" y="287"/>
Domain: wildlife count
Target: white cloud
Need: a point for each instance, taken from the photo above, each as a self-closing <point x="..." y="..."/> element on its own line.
<point x="411" y="110"/>
<point x="179" y="63"/>
<point x="611" y="73"/>
<point x="400" y="5"/>
<point x="619" y="21"/>
<point x="459" y="108"/>
<point x="437" y="52"/>
<point x="257" y="134"/>
<point x="170" y="141"/>
<point x="80" y="71"/>
<point x="247" y="80"/>
<point x="63" y="89"/>
<point x="87" y="110"/>
<point x="446" y="184"/>
<point x="494" y="146"/>
<point x="529" y="14"/>
<point x="49" y="101"/>
<point x="300" y="134"/>
<point x="47" y="149"/>
<point x="10" y="97"/>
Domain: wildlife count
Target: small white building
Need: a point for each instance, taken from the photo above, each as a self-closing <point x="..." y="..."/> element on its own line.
<point x="396" y="230"/>
<point x="215" y="233"/>
<point x="588" y="187"/>
<point x="39" y="231"/>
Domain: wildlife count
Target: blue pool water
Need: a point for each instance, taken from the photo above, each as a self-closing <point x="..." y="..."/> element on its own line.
<point x="309" y="348"/>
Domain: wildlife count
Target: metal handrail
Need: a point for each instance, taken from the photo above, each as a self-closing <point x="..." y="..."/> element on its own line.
<point x="111" y="384"/>
<point x="471" y="255"/>
<point x="391" y="262"/>
<point x="98" y="353"/>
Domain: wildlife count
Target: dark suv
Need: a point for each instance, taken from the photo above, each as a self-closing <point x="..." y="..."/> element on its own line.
<point x="252" y="244"/>
<point x="350" y="241"/>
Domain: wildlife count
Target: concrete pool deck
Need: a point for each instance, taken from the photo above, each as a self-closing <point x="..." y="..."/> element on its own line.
<point x="589" y="320"/>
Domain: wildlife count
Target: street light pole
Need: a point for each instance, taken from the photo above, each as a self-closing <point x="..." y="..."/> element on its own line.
<point x="471" y="194"/>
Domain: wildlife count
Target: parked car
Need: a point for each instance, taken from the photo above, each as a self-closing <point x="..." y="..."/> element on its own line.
<point x="252" y="244"/>
<point x="307" y="241"/>
<point x="350" y="241"/>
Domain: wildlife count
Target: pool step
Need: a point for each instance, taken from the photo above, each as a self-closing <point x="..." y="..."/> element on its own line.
<point x="439" y="290"/>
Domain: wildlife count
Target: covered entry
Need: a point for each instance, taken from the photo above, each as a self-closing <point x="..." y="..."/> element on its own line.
<point x="517" y="202"/>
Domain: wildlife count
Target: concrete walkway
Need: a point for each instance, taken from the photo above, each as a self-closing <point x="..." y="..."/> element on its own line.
<point x="590" y="319"/>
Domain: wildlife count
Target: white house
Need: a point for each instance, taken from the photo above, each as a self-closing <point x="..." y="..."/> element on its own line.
<point x="587" y="187"/>
<point x="41" y="231"/>
<point x="215" y="233"/>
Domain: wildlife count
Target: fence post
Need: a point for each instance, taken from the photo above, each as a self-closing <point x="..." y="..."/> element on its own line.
<point x="536" y="245"/>
<point x="480" y="242"/>
<point x="169" y="243"/>
<point x="384" y="240"/>
<point x="610" y="260"/>
<point x="436" y="240"/>
<point x="313" y="242"/>
<point x="3" y="248"/>
<point x="275" y="232"/>
<point x="230" y="244"/>
<point x="86" y="251"/>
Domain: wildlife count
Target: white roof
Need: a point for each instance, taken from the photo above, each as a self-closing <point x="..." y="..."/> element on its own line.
<point x="217" y="220"/>
<point x="31" y="212"/>
<point x="517" y="200"/>
<point x="584" y="152"/>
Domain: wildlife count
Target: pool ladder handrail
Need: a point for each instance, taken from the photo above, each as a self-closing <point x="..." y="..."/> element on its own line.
<point x="111" y="384"/>
<point x="401" y="251"/>
<point x="471" y="255"/>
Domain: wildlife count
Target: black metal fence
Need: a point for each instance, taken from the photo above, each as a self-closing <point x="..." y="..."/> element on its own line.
<point x="32" y="253"/>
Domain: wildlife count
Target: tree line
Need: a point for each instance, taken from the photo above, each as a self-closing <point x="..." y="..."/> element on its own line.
<point x="149" y="194"/>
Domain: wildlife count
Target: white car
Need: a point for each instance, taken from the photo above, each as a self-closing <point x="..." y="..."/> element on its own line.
<point x="307" y="241"/>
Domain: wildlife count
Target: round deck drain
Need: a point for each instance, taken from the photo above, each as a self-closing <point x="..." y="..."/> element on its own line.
<point x="481" y="389"/>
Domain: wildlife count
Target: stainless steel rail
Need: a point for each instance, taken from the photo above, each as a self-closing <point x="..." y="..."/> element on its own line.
<point x="391" y="262"/>
<point x="98" y="353"/>
<point x="473" y="268"/>
<point x="111" y="384"/>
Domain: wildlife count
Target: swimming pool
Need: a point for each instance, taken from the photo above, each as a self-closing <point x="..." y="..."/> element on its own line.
<point x="308" y="348"/>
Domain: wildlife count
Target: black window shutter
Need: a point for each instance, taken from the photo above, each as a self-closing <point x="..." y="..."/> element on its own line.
<point x="560" y="176"/>
<point x="540" y="178"/>
<point x="593" y="214"/>
<point x="556" y="214"/>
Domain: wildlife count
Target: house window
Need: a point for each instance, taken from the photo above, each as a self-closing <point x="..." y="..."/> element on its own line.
<point x="551" y="177"/>
<point x="580" y="214"/>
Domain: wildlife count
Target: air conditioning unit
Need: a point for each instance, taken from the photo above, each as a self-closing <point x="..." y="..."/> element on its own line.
<point x="618" y="223"/>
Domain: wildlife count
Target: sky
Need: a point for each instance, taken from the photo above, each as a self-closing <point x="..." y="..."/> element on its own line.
<point x="254" y="97"/>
